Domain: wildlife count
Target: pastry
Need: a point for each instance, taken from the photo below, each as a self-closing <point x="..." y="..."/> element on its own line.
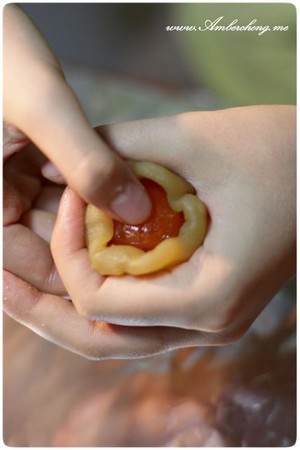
<point x="174" y="230"/>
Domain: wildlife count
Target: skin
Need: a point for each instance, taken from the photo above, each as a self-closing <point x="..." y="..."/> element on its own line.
<point x="241" y="162"/>
<point x="163" y="222"/>
<point x="39" y="106"/>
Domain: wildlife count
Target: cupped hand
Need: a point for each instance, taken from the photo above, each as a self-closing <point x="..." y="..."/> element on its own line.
<point x="33" y="292"/>
<point x="39" y="106"/>
<point x="242" y="164"/>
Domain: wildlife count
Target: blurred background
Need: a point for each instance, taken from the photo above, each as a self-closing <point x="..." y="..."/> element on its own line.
<point x="123" y="65"/>
<point x="222" y="68"/>
<point x="127" y="39"/>
<point x="119" y="59"/>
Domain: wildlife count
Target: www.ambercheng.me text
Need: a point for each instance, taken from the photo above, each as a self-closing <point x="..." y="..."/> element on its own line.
<point x="218" y="25"/>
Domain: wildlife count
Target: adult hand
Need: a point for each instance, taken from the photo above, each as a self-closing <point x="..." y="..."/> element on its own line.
<point x="242" y="163"/>
<point x="39" y="106"/>
<point x="30" y="206"/>
<point x="33" y="292"/>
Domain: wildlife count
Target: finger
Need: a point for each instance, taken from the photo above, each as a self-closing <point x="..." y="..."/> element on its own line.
<point x="57" y="320"/>
<point x="70" y="217"/>
<point x="51" y="172"/>
<point x="13" y="140"/>
<point x="72" y="261"/>
<point x="186" y="296"/>
<point x="20" y="188"/>
<point x="181" y="143"/>
<point x="48" y="113"/>
<point x="88" y="165"/>
<point x="28" y="256"/>
<point x="40" y="222"/>
<point x="14" y="204"/>
<point x="49" y="198"/>
<point x="159" y="139"/>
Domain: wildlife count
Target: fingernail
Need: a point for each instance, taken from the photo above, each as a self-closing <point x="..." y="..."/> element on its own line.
<point x="50" y="171"/>
<point x="132" y="205"/>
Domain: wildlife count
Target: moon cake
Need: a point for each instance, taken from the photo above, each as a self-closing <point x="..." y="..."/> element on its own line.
<point x="175" y="228"/>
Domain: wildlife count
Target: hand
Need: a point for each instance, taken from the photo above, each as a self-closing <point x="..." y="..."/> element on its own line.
<point x="39" y="106"/>
<point x="30" y="207"/>
<point x="33" y="292"/>
<point x="242" y="163"/>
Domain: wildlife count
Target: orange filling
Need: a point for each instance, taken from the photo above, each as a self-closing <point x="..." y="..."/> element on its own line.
<point x="162" y="223"/>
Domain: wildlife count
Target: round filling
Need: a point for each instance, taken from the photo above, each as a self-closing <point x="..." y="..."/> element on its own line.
<point x="162" y="223"/>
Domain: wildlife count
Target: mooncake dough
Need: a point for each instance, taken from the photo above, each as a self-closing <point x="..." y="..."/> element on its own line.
<point x="121" y="259"/>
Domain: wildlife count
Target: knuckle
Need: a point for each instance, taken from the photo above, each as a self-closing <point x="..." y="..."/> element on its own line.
<point x="93" y="173"/>
<point x="52" y="278"/>
<point x="86" y="309"/>
<point x="83" y="311"/>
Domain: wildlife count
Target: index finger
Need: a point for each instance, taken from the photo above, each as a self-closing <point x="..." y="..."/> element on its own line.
<point x="56" y="320"/>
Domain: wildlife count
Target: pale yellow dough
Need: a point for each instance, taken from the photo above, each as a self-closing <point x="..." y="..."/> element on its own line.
<point x="121" y="259"/>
